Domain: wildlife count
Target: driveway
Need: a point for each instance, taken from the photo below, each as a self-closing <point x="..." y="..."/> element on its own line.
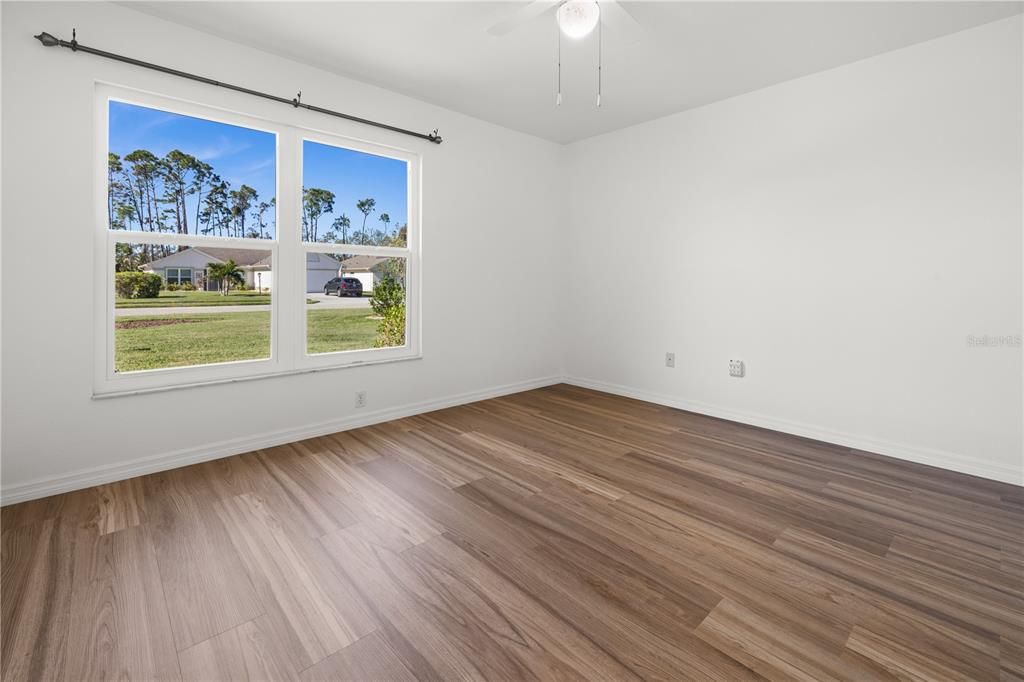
<point x="335" y="302"/>
<point x="322" y="303"/>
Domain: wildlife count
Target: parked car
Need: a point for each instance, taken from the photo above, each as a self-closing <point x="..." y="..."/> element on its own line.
<point x="344" y="286"/>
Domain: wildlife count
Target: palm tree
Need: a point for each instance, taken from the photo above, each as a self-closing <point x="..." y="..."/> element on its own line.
<point x="228" y="274"/>
<point x="342" y="223"/>
<point x="366" y="207"/>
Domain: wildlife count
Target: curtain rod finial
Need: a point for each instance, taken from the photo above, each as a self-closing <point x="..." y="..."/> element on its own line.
<point x="47" y="40"/>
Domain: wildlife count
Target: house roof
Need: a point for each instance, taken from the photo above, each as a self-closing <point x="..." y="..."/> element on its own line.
<point x="254" y="258"/>
<point x="361" y="263"/>
<point x="240" y="256"/>
<point x="321" y="261"/>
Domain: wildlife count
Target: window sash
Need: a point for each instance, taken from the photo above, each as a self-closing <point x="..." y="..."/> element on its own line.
<point x="288" y="320"/>
<point x="179" y="275"/>
<point x="334" y="356"/>
<point x="170" y="377"/>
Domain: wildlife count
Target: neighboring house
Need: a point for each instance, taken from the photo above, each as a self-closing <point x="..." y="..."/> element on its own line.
<point x="367" y="269"/>
<point x="189" y="265"/>
<point x="320" y="269"/>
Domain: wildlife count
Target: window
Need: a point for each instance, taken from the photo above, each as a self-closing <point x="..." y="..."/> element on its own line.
<point x="370" y="286"/>
<point x="236" y="247"/>
<point x="178" y="276"/>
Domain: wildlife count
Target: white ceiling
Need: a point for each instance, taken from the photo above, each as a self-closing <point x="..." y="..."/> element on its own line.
<point x="691" y="53"/>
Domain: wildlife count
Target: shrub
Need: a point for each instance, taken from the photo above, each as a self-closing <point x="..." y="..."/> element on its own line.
<point x="387" y="294"/>
<point x="187" y="286"/>
<point x="137" y="284"/>
<point x="172" y="287"/>
<point x="391" y="329"/>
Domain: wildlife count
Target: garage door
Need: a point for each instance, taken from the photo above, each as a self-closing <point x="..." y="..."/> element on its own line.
<point x="316" y="279"/>
<point x="366" y="278"/>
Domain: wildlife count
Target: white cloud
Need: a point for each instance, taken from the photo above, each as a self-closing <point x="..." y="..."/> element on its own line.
<point x="221" y="148"/>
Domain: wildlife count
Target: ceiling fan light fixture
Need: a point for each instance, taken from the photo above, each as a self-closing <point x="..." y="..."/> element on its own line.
<point x="577" y="18"/>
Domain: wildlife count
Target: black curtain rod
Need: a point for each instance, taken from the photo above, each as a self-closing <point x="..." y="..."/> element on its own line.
<point x="50" y="41"/>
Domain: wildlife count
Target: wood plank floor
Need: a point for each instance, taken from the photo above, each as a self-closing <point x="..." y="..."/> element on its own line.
<point x="559" y="533"/>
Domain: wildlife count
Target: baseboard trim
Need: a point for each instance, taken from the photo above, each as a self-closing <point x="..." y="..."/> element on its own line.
<point x="85" y="478"/>
<point x="936" y="458"/>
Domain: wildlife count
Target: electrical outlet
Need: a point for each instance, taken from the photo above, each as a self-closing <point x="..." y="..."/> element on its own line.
<point x="670" y="359"/>
<point x="360" y="398"/>
<point x="736" y="368"/>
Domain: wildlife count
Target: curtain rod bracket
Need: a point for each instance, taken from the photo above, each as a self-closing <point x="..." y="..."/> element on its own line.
<point x="49" y="40"/>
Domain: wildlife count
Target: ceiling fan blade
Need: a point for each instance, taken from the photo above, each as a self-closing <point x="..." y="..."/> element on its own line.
<point x="618" y="18"/>
<point x="521" y="16"/>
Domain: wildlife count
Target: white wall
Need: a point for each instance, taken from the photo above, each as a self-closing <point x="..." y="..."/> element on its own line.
<point x="842" y="233"/>
<point x="479" y="335"/>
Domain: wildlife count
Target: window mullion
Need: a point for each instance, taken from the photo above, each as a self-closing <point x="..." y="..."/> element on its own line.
<point x="289" y="296"/>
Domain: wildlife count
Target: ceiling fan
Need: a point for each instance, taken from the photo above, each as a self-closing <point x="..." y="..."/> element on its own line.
<point x="575" y="19"/>
<point x="574" y="16"/>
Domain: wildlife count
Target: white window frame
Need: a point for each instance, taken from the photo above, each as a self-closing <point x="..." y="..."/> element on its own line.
<point x="408" y="253"/>
<point x="288" y="254"/>
<point x="177" y="275"/>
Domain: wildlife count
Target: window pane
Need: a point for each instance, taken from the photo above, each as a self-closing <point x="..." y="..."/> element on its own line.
<point x="354" y="302"/>
<point x="172" y="173"/>
<point x="181" y="306"/>
<point x="351" y="197"/>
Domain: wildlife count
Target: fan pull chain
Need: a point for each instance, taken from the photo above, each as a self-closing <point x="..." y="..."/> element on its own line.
<point x="600" y="35"/>
<point x="558" y="97"/>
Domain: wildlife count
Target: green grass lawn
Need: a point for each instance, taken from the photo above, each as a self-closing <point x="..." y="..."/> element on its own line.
<point x="333" y="330"/>
<point x="171" y="299"/>
<point x="171" y="341"/>
<point x="175" y="299"/>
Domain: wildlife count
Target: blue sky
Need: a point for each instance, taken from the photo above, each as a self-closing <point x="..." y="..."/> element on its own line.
<point x="245" y="156"/>
<point x="352" y="176"/>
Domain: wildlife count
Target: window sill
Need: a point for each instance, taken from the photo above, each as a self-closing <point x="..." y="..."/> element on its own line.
<point x="103" y="395"/>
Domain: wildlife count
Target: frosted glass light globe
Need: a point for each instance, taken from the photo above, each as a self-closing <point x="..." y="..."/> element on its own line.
<point x="577" y="18"/>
